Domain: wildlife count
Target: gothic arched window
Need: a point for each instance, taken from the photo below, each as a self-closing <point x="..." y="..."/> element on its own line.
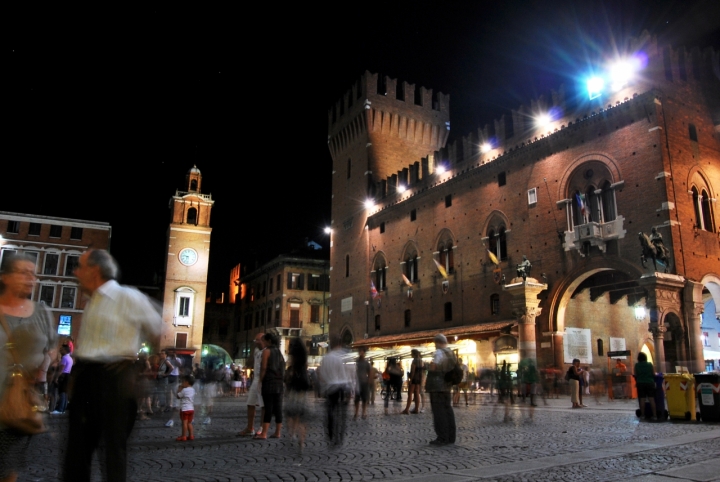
<point x="411" y="260"/>
<point x="379" y="272"/>
<point x="498" y="242"/>
<point x="706" y="212"/>
<point x="445" y="254"/>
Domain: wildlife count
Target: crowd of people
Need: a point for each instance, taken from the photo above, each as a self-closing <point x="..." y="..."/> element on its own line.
<point x="109" y="379"/>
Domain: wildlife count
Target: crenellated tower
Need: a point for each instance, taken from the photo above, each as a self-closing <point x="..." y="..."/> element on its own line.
<point x="375" y="131"/>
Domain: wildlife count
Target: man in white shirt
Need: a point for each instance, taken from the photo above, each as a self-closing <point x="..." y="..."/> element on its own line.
<point x="255" y="394"/>
<point x="439" y="389"/>
<point x="335" y="382"/>
<point x="173" y="383"/>
<point x="116" y="321"/>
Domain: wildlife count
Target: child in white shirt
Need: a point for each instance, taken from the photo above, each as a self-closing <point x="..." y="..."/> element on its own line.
<point x="186" y="394"/>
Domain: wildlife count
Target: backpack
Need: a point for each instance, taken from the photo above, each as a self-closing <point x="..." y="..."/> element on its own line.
<point x="567" y="375"/>
<point x="455" y="375"/>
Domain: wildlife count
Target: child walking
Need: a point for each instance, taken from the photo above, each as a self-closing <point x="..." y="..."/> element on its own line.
<point x="186" y="394"/>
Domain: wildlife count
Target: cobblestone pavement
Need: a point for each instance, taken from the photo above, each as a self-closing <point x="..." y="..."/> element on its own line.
<point x="600" y="443"/>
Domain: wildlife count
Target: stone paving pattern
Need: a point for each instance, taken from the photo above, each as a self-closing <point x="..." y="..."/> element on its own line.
<point x="395" y="447"/>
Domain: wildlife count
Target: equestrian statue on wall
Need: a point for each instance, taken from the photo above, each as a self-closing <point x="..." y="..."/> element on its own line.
<point x="653" y="247"/>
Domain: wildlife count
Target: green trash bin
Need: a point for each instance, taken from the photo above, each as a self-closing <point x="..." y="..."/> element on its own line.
<point x="708" y="394"/>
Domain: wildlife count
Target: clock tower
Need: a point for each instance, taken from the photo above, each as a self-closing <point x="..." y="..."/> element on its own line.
<point x="186" y="267"/>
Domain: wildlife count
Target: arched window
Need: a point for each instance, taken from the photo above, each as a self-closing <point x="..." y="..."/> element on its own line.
<point x="498" y="242"/>
<point x="347" y="265"/>
<point x="697" y="200"/>
<point x="377" y="322"/>
<point x="411" y="259"/>
<point x="193" y="185"/>
<point x="494" y="304"/>
<point x="379" y="272"/>
<point x="609" y="211"/>
<point x="445" y="254"/>
<point x="706" y="213"/>
<point x="692" y="132"/>
<point x="192" y="216"/>
<point x="448" y="311"/>
<point x="592" y="205"/>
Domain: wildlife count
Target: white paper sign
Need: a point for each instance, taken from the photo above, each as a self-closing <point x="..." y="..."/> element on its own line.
<point x="577" y="344"/>
<point x="706" y="394"/>
<point x="618" y="344"/>
<point x="346" y="304"/>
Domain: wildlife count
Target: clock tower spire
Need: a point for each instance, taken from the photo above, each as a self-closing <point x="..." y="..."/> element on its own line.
<point x="186" y="266"/>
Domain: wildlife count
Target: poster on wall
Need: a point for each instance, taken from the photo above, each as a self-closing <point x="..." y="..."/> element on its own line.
<point x="577" y="344"/>
<point x="617" y="344"/>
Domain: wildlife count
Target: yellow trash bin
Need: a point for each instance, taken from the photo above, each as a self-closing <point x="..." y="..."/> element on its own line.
<point x="680" y="395"/>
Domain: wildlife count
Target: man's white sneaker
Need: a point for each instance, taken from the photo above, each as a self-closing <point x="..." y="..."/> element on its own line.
<point x="55" y="412"/>
<point x="169" y="423"/>
<point x="206" y="421"/>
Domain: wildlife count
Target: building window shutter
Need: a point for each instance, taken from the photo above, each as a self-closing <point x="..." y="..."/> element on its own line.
<point x="289" y="281"/>
<point x="301" y="281"/>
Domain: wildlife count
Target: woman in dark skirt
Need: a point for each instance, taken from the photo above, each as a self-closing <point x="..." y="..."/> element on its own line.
<point x="272" y="373"/>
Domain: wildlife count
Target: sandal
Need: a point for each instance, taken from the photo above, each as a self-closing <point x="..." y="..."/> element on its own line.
<point x="258" y="437"/>
<point x="247" y="432"/>
<point x="181" y="439"/>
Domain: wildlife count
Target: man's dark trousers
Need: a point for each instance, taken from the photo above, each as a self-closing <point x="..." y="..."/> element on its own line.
<point x="103" y="408"/>
<point x="443" y="416"/>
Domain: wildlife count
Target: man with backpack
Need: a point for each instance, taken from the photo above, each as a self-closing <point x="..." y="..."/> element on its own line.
<point x="439" y="382"/>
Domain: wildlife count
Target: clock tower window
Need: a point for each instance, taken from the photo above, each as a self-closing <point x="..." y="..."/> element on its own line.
<point x="192" y="216"/>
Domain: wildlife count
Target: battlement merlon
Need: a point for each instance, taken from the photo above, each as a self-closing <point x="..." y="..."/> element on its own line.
<point x="384" y="94"/>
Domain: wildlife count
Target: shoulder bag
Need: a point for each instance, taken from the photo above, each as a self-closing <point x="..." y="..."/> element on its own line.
<point x="19" y="404"/>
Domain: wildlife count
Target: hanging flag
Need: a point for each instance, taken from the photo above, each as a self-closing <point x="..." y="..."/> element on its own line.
<point x="406" y="280"/>
<point x="581" y="203"/>
<point x="440" y="268"/>
<point x="492" y="257"/>
<point x="373" y="290"/>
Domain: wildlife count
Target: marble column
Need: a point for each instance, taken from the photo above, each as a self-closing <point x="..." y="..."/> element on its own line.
<point x="525" y="308"/>
<point x="694" y="308"/>
<point x="664" y="295"/>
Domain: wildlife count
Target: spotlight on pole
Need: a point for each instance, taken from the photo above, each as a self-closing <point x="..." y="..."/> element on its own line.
<point x="485" y="148"/>
<point x="595" y="86"/>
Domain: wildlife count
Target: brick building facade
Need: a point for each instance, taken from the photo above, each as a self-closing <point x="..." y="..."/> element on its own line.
<point x="56" y="244"/>
<point x="287" y="295"/>
<point x="572" y="194"/>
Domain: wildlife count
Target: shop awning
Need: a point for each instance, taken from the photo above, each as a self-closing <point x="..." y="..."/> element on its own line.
<point x="711" y="355"/>
<point x="427" y="336"/>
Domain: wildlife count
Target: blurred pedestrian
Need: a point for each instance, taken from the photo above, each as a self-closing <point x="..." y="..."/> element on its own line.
<point x="297" y="384"/>
<point x="116" y="320"/>
<point x="362" y="391"/>
<point x="573" y="376"/>
<point x="31" y="328"/>
<point x="414" y="382"/>
<point x="335" y="386"/>
<point x="439" y="389"/>
<point x="254" y="393"/>
<point x="272" y="374"/>
<point x="645" y="379"/>
<point x="66" y="364"/>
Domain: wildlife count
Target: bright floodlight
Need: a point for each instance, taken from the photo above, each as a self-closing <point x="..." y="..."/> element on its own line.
<point x="369" y="204"/>
<point x="622" y="73"/>
<point x="639" y="312"/>
<point x="595" y="86"/>
<point x="401" y="189"/>
<point x="328" y="230"/>
<point x="543" y="120"/>
<point x="485" y="147"/>
<point x="440" y="169"/>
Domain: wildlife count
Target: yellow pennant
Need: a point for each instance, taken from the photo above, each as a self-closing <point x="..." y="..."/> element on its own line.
<point x="492" y="257"/>
<point x="407" y="281"/>
<point x="441" y="269"/>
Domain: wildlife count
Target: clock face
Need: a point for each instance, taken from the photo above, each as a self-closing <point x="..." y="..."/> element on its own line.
<point x="188" y="256"/>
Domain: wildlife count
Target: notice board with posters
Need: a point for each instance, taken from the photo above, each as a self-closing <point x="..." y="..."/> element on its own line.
<point x="577" y="343"/>
<point x="618" y="344"/>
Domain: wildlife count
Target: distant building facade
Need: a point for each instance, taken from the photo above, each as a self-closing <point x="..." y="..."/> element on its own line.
<point x="56" y="244"/>
<point x="288" y="296"/>
<point x="437" y="247"/>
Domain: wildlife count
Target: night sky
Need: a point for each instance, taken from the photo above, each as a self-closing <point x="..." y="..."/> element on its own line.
<point x="105" y="111"/>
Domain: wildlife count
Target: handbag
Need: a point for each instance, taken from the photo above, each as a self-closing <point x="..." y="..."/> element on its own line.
<point x="19" y="404"/>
